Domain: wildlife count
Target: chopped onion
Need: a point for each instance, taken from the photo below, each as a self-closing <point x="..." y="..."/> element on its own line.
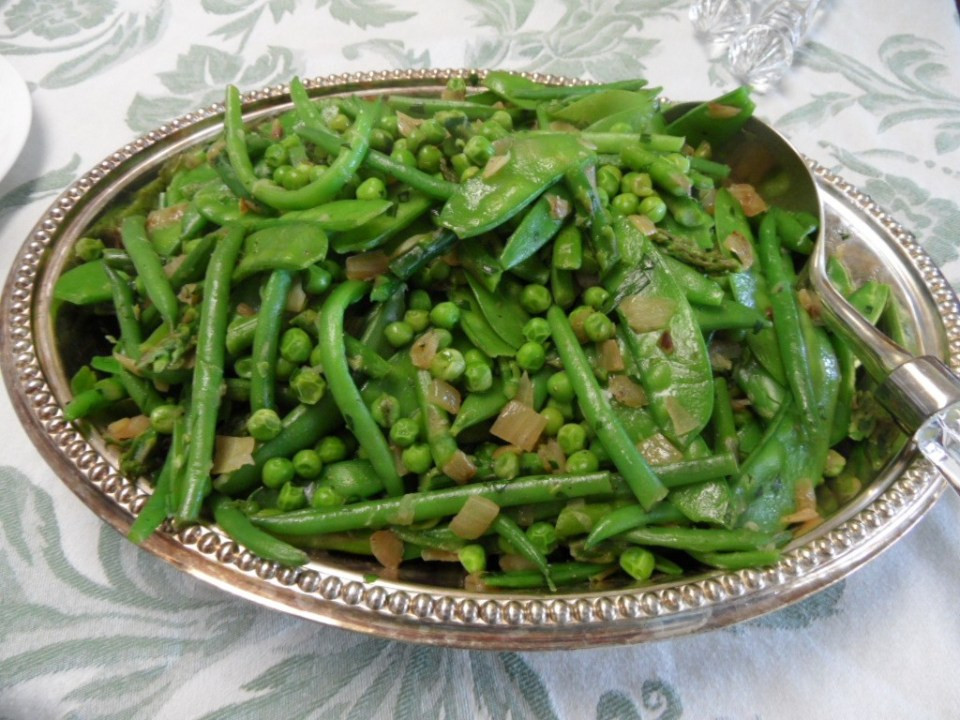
<point x="708" y="198"/>
<point x="387" y="548"/>
<point x="244" y="310"/>
<point x="171" y="267"/>
<point x="459" y="468"/>
<point x="519" y="425"/>
<point x="474" y="583"/>
<point x="552" y="456"/>
<point x="406" y="513"/>
<point x="474" y="518"/>
<point x="719" y="111"/>
<point x="444" y="395"/>
<point x="611" y="359"/>
<point x="165" y="216"/>
<point x="749" y="198"/>
<point x="232" y="453"/>
<point x="559" y="206"/>
<point x="645" y="314"/>
<point x="643" y="224"/>
<point x="407" y="124"/>
<point x="425" y="349"/>
<point x="434" y="555"/>
<point x="495" y="164"/>
<point x="626" y="392"/>
<point x="658" y="450"/>
<point x="683" y="421"/>
<point x="367" y="265"/>
<point x="801" y="516"/>
<point x="296" y="298"/>
<point x="741" y="247"/>
<point x="511" y="562"/>
<point x="810" y="303"/>
<point x="126" y="428"/>
<point x="524" y="390"/>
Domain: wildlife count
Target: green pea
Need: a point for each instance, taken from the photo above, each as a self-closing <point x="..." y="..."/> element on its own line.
<point x="565" y="408"/>
<point x="326" y="497"/>
<point x="560" y="387"/>
<point x="291" y="497"/>
<point x="608" y="178"/>
<point x="398" y="333"/>
<point x="444" y="338"/>
<point x="659" y="377"/>
<point x="284" y="368"/>
<point x="308" y="386"/>
<point x="380" y="140"/>
<point x="639" y="184"/>
<point x="460" y="163"/>
<point x="331" y="449"/>
<point x="604" y="197"/>
<point x="478" y="149"/>
<point x="448" y="364"/>
<point x="385" y="410"/>
<point x="621" y="127"/>
<point x="543" y="536"/>
<point x="429" y="158"/>
<point x="318" y="280"/>
<point x="292" y="178"/>
<point x="578" y="316"/>
<point x="469" y="173"/>
<point x="388" y="123"/>
<point x="420" y="300"/>
<point x="535" y="299"/>
<point x="276" y="472"/>
<point x="582" y="461"/>
<point x="531" y="464"/>
<point x="88" y="249"/>
<point x="493" y="130"/>
<point x="264" y="425"/>
<point x="536" y="330"/>
<point x="317" y="171"/>
<point x="625" y="203"/>
<point x="597" y="448"/>
<point x="276" y="155"/>
<point x="418" y="320"/>
<point x="473" y="558"/>
<point x="415" y="139"/>
<point x="506" y="466"/>
<point x="316" y="357"/>
<point x="531" y="356"/>
<point x="653" y="207"/>
<point x="338" y="123"/>
<point x="403" y="156"/>
<point x="417" y="458"/>
<point x="244" y="367"/>
<point x="473" y="355"/>
<point x="404" y="432"/>
<point x="554" y="420"/>
<point x="503" y="119"/>
<point x="295" y="346"/>
<point x="445" y="315"/>
<point x="307" y="464"/>
<point x="598" y="327"/>
<point x="371" y="189"/>
<point x="479" y="376"/>
<point x="164" y="417"/>
<point x="595" y="297"/>
<point x="571" y="438"/>
<point x="638" y="563"/>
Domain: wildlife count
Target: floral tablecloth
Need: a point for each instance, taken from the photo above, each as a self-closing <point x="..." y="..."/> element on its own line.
<point x="92" y="627"/>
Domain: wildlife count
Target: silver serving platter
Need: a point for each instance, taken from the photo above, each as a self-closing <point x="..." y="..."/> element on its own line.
<point x="433" y="609"/>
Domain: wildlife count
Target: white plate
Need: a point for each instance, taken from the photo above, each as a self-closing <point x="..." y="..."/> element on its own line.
<point x="15" y="118"/>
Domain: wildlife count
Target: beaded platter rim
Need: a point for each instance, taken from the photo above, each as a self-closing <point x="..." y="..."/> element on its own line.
<point x="429" y="614"/>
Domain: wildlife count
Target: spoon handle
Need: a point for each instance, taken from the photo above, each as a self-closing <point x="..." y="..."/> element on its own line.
<point x="939" y="440"/>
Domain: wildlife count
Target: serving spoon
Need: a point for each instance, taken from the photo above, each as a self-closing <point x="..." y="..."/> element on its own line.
<point x="920" y="392"/>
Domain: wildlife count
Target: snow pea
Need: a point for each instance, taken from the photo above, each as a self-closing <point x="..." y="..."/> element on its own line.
<point x="429" y="247"/>
<point x="541" y="222"/>
<point x="603" y="240"/>
<point x="673" y="361"/>
<point x="502" y="311"/>
<point x="730" y="315"/>
<point x="291" y="247"/>
<point x="600" y="110"/>
<point x="710" y="120"/>
<point x="84" y="284"/>
<point x="696" y="286"/>
<point x="524" y="166"/>
<point x="479" y="406"/>
<point x="376" y="232"/>
<point x="481" y="265"/>
<point x="334" y="216"/>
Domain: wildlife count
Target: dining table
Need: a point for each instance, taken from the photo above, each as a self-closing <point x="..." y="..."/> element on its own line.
<point x="91" y="626"/>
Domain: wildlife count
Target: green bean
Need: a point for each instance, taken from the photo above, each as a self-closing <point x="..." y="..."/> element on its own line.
<point x="155" y="510"/>
<point x="130" y="334"/>
<point x="266" y="340"/>
<point x="425" y="106"/>
<point x="208" y="375"/>
<point x="689" y="472"/>
<point x="235" y="524"/>
<point x="509" y="531"/>
<point x="596" y="409"/>
<point x="140" y="390"/>
<point x="236" y="139"/>
<point x="793" y="234"/>
<point x="606" y="250"/>
<point x="366" y="360"/>
<point x="416" y="258"/>
<point x="240" y="333"/>
<point x="418" y="507"/>
<point x="724" y="428"/>
<point x="729" y="315"/>
<point x="629" y="518"/>
<point x="568" y="573"/>
<point x="700" y="539"/>
<point x="666" y="175"/>
<point x="149" y="268"/>
<point x="84" y="403"/>
<point x="344" y="390"/>
<point x="697" y="287"/>
<point x="737" y="560"/>
<point x="716" y="170"/>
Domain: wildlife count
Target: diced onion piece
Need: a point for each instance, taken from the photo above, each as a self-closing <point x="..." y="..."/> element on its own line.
<point x="626" y="392"/>
<point x="434" y="555"/>
<point x="552" y="456"/>
<point x="658" y="450"/>
<point x="173" y="265"/>
<point x="165" y="216"/>
<point x="811" y="303"/>
<point x="741" y="247"/>
<point x="646" y="314"/>
<point x="130" y="427"/>
<point x="524" y="390"/>
<point x="474" y="583"/>
<point x="425" y="349"/>
<point x="366" y="266"/>
<point x="611" y="359"/>
<point x="232" y="453"/>
<point x="296" y="298"/>
<point x="561" y="126"/>
<point x="708" y="198"/>
<point x="801" y="516"/>
<point x="459" y="468"/>
<point x="643" y="224"/>
<point x="474" y="518"/>
<point x="683" y="421"/>
<point x="511" y="562"/>
<point x="519" y="425"/>
<point x="720" y="111"/>
<point x="406" y="513"/>
<point x="387" y="548"/>
<point x="245" y="310"/>
<point x="559" y="206"/>
<point x="407" y="124"/>
<point x="444" y="395"/>
<point x="749" y="198"/>
<point x="494" y="165"/>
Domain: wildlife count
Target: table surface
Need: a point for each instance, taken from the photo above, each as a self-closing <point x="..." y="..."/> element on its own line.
<point x="92" y="627"/>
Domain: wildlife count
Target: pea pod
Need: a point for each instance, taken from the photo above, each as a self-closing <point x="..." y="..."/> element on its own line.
<point x="351" y="479"/>
<point x="600" y="110"/>
<point x="334" y="216"/>
<point x="712" y="121"/>
<point x="523" y="168"/>
<point x="673" y="361"/>
<point x="729" y="315"/>
<point x="478" y="407"/>
<point x="409" y="207"/>
<point x="291" y="247"/>
<point x="85" y="284"/>
<point x="698" y="288"/>
<point x="542" y="221"/>
<point x="501" y="311"/>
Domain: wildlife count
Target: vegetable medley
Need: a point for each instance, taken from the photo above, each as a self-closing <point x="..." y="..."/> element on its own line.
<point x="543" y="332"/>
